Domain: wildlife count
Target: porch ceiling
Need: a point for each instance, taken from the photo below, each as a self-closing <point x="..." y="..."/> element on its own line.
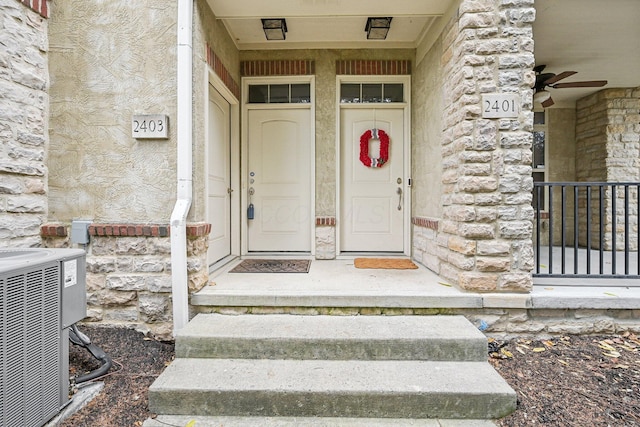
<point x="327" y="23"/>
<point x="598" y="39"/>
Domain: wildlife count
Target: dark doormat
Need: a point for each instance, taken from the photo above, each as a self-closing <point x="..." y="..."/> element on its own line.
<point x="272" y="266"/>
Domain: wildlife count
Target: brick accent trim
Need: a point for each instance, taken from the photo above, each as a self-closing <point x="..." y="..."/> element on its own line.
<point x="218" y="67"/>
<point x="129" y="230"/>
<point x="364" y="67"/>
<point x="39" y="6"/>
<point x="432" y="224"/>
<point x="53" y="230"/>
<point x="126" y="230"/>
<point x="283" y="67"/>
<point x="198" y="230"/>
<point x="326" y="221"/>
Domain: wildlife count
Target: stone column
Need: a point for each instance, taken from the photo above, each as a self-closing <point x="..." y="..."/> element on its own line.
<point x="24" y="79"/>
<point x="485" y="241"/>
<point x="608" y="150"/>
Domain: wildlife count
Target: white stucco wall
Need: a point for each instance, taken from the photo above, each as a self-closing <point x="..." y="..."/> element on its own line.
<point x="561" y="151"/>
<point x="110" y="60"/>
<point x="207" y="30"/>
<point x="427" y="135"/>
<point x="561" y="162"/>
<point x="325" y="65"/>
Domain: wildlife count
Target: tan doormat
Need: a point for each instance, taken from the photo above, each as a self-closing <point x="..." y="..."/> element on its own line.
<point x="272" y="266"/>
<point x="385" y="263"/>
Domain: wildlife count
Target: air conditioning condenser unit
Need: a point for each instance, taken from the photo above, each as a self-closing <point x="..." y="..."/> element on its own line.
<point x="42" y="294"/>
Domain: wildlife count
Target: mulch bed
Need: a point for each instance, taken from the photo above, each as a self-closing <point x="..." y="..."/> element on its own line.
<point x="137" y="362"/>
<point x="572" y="381"/>
<point x="569" y="381"/>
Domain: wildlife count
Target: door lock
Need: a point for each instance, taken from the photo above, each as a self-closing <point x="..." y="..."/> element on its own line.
<point x="251" y="212"/>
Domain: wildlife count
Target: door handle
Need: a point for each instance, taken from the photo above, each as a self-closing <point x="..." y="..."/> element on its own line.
<point x="251" y="212"/>
<point x="399" y="192"/>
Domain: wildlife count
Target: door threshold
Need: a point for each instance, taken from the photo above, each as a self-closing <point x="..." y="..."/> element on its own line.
<point x="276" y="255"/>
<point x="351" y="255"/>
<point x="220" y="264"/>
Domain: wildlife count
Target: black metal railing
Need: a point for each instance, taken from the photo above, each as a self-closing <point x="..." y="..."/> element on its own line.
<point x="586" y="230"/>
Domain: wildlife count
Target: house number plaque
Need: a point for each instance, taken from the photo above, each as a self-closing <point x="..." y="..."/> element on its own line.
<point x="500" y="105"/>
<point x="150" y="126"/>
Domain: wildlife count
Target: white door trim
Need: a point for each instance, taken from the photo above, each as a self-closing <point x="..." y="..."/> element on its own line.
<point x="212" y="79"/>
<point x="244" y="177"/>
<point x="406" y="107"/>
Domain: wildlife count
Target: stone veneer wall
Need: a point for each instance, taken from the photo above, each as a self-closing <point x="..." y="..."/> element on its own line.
<point x="326" y="238"/>
<point x="425" y="242"/>
<point x="129" y="272"/>
<point x="608" y="150"/>
<point x="486" y="231"/>
<point x="24" y="85"/>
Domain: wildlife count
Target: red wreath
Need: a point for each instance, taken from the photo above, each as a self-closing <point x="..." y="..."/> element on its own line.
<point x="384" y="148"/>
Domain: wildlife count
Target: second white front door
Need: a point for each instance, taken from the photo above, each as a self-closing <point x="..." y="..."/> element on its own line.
<point x="218" y="177"/>
<point x="279" y="180"/>
<point x="372" y="199"/>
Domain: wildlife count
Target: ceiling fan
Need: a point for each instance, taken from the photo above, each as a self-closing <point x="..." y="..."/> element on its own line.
<point x="551" y="80"/>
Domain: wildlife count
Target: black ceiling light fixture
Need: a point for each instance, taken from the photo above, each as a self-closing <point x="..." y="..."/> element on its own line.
<point x="378" y="28"/>
<point x="274" y="28"/>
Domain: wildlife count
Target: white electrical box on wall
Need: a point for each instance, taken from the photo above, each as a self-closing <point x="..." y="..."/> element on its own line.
<point x="80" y="231"/>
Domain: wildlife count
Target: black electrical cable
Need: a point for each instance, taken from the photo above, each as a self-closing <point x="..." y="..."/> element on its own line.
<point x="78" y="338"/>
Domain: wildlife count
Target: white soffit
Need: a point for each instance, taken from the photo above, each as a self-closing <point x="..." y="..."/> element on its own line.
<point x="327" y="23"/>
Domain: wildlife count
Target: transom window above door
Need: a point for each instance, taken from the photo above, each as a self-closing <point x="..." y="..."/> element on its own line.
<point x="351" y="93"/>
<point x="294" y="93"/>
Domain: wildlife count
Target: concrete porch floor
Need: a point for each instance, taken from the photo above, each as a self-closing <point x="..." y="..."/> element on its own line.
<point x="337" y="283"/>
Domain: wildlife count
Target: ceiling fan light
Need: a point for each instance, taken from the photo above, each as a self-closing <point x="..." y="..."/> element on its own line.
<point x="541" y="96"/>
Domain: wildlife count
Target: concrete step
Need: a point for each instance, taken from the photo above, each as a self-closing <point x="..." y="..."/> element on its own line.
<point x="182" y="420"/>
<point x="331" y="388"/>
<point x="450" y="338"/>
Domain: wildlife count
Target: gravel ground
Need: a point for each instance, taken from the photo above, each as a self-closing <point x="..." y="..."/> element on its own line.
<point x="580" y="381"/>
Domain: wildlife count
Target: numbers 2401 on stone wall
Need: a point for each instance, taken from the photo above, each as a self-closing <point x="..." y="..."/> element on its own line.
<point x="150" y="126"/>
<point x="500" y="105"/>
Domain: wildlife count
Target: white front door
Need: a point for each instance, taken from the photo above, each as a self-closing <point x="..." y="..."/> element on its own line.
<point x="372" y="199"/>
<point x="279" y="180"/>
<point x="218" y="177"/>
